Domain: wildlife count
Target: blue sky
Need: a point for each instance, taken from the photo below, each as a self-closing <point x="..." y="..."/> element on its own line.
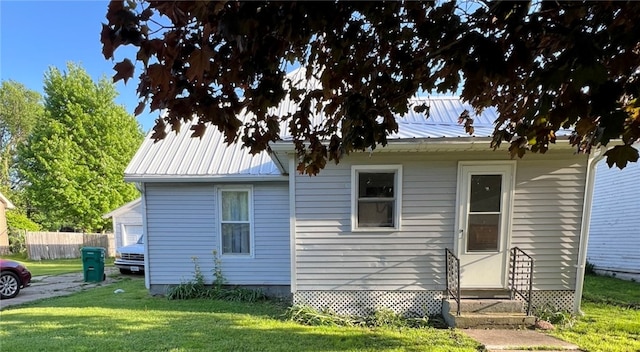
<point x="36" y="35"/>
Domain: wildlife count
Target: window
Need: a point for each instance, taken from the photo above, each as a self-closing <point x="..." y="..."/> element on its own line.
<point x="376" y="197"/>
<point x="235" y="221"/>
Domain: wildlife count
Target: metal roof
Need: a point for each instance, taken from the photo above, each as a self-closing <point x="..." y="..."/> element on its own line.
<point x="179" y="157"/>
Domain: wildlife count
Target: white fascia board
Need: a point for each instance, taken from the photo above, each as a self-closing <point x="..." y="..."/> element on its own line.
<point x="423" y="144"/>
<point x="124" y="208"/>
<point x="281" y="161"/>
<point x="209" y="178"/>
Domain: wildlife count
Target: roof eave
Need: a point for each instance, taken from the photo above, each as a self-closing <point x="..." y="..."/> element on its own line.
<point x="282" y="148"/>
<point x="123" y="208"/>
<point x="203" y="178"/>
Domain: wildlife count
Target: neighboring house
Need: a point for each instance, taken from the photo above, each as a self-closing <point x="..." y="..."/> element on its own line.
<point x="127" y="223"/>
<point x="614" y="235"/>
<point x="4" y="230"/>
<point x="372" y="230"/>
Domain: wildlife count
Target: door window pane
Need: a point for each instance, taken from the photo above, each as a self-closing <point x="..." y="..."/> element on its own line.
<point x="485" y="193"/>
<point x="483" y="232"/>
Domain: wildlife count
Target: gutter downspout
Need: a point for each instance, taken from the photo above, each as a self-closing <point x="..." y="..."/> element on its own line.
<point x="584" y="230"/>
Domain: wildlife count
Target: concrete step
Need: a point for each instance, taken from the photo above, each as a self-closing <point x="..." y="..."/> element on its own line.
<point x="483" y="306"/>
<point x="489" y="320"/>
<point x="485" y="293"/>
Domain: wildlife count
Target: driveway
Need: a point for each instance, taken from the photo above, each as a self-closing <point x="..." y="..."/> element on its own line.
<point x="48" y="286"/>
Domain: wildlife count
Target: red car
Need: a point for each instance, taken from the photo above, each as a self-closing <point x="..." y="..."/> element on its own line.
<point x="13" y="277"/>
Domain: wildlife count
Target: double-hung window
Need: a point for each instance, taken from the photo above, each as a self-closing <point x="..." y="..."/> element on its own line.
<point x="376" y="197"/>
<point x="236" y="234"/>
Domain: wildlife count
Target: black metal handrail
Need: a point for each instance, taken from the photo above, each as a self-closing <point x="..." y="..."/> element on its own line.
<point x="521" y="276"/>
<point x="453" y="277"/>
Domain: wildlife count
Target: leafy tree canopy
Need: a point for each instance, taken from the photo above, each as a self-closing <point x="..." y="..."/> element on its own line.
<point x="20" y="109"/>
<point x="75" y="157"/>
<point x="543" y="65"/>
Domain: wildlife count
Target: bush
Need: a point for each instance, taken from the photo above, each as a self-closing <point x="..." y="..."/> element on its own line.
<point x="18" y="224"/>
<point x="197" y="288"/>
<point x="554" y="316"/>
<point x="383" y="317"/>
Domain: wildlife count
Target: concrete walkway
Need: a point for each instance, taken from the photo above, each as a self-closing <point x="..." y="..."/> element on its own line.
<point x="518" y="340"/>
<point x="48" y="286"/>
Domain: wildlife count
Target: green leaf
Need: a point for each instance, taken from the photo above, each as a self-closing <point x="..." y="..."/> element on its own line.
<point x="620" y="155"/>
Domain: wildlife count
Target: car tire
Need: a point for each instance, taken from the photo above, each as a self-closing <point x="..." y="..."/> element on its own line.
<point x="9" y="285"/>
<point x="125" y="271"/>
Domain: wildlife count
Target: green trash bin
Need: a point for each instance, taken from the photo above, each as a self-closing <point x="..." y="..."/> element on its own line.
<point x="93" y="264"/>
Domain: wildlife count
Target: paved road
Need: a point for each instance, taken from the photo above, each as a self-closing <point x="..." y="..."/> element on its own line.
<point x="56" y="285"/>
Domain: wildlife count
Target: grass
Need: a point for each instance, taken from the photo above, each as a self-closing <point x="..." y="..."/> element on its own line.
<point x="611" y="319"/>
<point x="99" y="319"/>
<point x="54" y="266"/>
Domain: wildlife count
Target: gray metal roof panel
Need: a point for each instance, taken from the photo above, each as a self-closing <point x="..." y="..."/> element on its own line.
<point x="179" y="155"/>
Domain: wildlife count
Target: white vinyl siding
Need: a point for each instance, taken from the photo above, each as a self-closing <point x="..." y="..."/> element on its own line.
<point x="182" y="224"/>
<point x="614" y="236"/>
<point x="547" y="217"/>
<point x="331" y="257"/>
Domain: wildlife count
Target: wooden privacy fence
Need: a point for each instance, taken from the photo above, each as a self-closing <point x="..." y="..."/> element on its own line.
<point x="59" y="245"/>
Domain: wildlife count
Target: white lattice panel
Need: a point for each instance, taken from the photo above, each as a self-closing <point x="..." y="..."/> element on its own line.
<point x="409" y="303"/>
<point x="561" y="300"/>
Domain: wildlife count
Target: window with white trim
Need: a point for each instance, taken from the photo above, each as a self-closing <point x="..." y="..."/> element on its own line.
<point x="236" y="213"/>
<point x="376" y="194"/>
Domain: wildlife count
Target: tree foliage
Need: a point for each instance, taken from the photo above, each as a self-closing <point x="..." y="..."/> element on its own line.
<point x="74" y="159"/>
<point x="20" y="109"/>
<point x="543" y="65"/>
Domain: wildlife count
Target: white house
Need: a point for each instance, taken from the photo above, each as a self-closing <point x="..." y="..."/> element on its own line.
<point x="373" y="230"/>
<point x="614" y="236"/>
<point x="127" y="223"/>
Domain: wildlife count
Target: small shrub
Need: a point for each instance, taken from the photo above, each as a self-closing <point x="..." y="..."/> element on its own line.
<point x="240" y="294"/>
<point x="554" y="316"/>
<point x="590" y="269"/>
<point x="307" y="315"/>
<point x="218" y="277"/>
<point x="197" y="288"/>
<point x="190" y="289"/>
<point x="384" y="317"/>
<point x="18" y="224"/>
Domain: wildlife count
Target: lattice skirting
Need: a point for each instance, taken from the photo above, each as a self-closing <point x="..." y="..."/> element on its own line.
<point x="562" y="300"/>
<point x="409" y="303"/>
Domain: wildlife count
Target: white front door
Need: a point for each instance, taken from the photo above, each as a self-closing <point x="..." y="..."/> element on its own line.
<point x="485" y="192"/>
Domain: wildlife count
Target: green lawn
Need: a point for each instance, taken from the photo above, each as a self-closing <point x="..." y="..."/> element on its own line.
<point x="611" y="319"/>
<point x="100" y="320"/>
<point x="52" y="267"/>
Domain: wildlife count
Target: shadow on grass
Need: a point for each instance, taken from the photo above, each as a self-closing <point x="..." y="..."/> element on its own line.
<point x="99" y="319"/>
